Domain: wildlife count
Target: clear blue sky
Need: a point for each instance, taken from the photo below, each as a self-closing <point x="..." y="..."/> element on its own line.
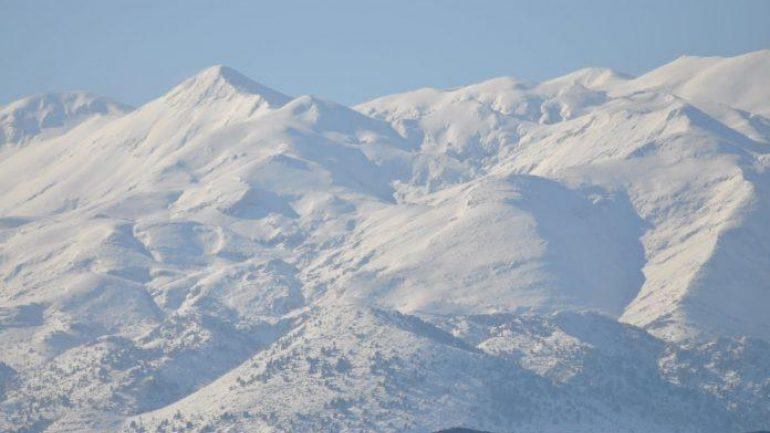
<point x="351" y="51"/>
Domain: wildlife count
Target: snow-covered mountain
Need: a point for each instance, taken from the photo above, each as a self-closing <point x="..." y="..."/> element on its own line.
<point x="587" y="254"/>
<point x="52" y="114"/>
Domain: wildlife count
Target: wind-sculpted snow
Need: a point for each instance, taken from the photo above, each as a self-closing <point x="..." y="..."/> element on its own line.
<point x="587" y="254"/>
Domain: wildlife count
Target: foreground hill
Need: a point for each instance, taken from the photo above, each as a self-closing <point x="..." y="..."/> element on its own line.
<point x="591" y="251"/>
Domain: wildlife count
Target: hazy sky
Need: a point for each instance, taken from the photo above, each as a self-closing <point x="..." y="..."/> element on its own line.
<point x="351" y="51"/>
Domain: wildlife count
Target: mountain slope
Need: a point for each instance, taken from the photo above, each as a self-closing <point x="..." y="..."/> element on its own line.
<point x="587" y="253"/>
<point x="350" y="367"/>
<point x="734" y="81"/>
<point x="707" y="179"/>
<point x="498" y="244"/>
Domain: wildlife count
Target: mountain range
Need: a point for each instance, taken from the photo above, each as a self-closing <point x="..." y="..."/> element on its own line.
<point x="589" y="253"/>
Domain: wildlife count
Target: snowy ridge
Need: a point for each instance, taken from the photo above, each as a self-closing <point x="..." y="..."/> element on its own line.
<point x="734" y="81"/>
<point x="585" y="254"/>
<point x="52" y="114"/>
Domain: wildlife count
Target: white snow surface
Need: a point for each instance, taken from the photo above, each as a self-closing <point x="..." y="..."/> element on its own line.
<point x="51" y="114"/>
<point x="586" y="254"/>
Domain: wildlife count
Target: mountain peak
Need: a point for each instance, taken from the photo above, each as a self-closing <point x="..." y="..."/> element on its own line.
<point x="222" y="82"/>
<point x="215" y="73"/>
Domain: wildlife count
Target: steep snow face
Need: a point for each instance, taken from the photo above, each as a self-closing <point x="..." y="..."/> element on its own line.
<point x="52" y="114"/>
<point x="590" y="251"/>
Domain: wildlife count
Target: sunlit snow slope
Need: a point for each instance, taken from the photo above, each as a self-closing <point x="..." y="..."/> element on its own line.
<point x="586" y="254"/>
